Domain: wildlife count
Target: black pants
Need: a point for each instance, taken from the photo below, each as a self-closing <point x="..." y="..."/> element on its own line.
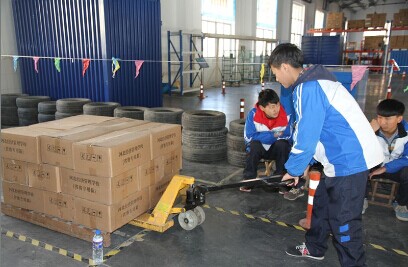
<point x="337" y="209"/>
<point x="279" y="152"/>
<point x="400" y="177"/>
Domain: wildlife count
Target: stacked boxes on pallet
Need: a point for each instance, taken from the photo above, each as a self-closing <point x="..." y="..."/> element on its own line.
<point x="100" y="172"/>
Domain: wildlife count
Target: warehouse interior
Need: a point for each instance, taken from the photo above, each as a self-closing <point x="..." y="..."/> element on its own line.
<point x="175" y="63"/>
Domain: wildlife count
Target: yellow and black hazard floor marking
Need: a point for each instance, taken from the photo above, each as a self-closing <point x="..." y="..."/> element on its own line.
<point x="138" y="237"/>
<point x="46" y="246"/>
<point x="297" y="227"/>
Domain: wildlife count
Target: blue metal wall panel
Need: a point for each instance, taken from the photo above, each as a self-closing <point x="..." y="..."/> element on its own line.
<point x="326" y="50"/>
<point x="401" y="57"/>
<point x="133" y="31"/>
<point x="72" y="29"/>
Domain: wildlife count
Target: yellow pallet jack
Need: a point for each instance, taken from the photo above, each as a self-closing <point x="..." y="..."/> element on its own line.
<point x="184" y="198"/>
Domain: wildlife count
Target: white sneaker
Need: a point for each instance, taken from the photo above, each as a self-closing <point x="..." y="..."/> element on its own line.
<point x="365" y="206"/>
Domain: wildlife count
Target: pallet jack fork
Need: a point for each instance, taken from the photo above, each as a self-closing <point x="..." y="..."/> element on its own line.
<point x="185" y="198"/>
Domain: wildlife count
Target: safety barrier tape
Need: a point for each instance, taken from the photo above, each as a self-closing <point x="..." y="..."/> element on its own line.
<point x="46" y="246"/>
<point x="297" y="227"/>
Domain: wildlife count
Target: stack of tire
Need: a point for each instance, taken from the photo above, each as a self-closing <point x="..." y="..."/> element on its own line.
<point x="236" y="143"/>
<point x="132" y="112"/>
<point x="68" y="107"/>
<point x="46" y="111"/>
<point x="100" y="108"/>
<point x="164" y="115"/>
<point x="204" y="136"/>
<point x="27" y="109"/>
<point x="9" y="115"/>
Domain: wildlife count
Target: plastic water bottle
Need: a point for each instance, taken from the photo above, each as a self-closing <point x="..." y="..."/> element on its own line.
<point x="97" y="247"/>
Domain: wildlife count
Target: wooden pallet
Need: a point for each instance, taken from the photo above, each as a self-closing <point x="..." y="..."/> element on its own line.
<point x="53" y="223"/>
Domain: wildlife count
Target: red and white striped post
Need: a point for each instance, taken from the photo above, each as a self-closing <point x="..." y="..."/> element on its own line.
<point x="242" y="109"/>
<point x="201" y="96"/>
<point x="314" y="179"/>
<point x="263" y="85"/>
<point x="389" y="92"/>
<point x="223" y="87"/>
<point x="403" y="75"/>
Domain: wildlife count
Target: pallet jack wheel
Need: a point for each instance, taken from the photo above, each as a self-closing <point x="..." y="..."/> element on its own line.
<point x="200" y="214"/>
<point x="188" y="220"/>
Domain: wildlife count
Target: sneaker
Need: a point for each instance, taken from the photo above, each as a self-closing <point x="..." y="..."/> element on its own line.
<point x="394" y="205"/>
<point x="401" y="212"/>
<point x="283" y="190"/>
<point x="301" y="251"/>
<point x="245" y="189"/>
<point x="294" y="193"/>
<point x="365" y="206"/>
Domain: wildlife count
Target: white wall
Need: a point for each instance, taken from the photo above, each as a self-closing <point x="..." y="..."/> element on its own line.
<point x="10" y="80"/>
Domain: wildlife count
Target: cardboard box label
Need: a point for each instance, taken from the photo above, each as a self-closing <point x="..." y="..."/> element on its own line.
<point x="23" y="196"/>
<point x="14" y="171"/>
<point x="44" y="176"/>
<point x="59" y="205"/>
<point x="106" y="190"/>
<point x="151" y="172"/>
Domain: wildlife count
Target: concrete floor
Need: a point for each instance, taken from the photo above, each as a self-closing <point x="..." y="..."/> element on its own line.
<point x="241" y="229"/>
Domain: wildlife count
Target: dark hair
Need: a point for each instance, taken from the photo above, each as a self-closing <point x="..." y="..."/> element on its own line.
<point x="390" y="107"/>
<point x="286" y="53"/>
<point x="267" y="96"/>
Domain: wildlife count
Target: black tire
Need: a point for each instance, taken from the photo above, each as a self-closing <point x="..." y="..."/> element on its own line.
<point x="100" y="108"/>
<point x="9" y="100"/>
<point x="45" y="117"/>
<point x="236" y="158"/>
<point x="9" y="116"/>
<point x="28" y="113"/>
<point x="204" y="140"/>
<point x="47" y="107"/>
<point x="72" y="105"/>
<point x="204" y="155"/>
<point x="61" y="115"/>
<point x="9" y="111"/>
<point x="133" y="112"/>
<point x="164" y="115"/>
<point x="237" y="127"/>
<point x="30" y="101"/>
<point x="236" y="143"/>
<point x="203" y="120"/>
<point x="26" y="122"/>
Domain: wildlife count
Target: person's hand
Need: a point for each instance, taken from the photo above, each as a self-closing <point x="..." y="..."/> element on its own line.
<point x="287" y="176"/>
<point x="277" y="134"/>
<point x="377" y="172"/>
<point x="375" y="125"/>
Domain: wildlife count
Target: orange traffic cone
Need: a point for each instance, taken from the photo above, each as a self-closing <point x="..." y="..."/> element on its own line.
<point x="403" y="75"/>
<point x="201" y="96"/>
<point x="242" y="109"/>
<point x="389" y="92"/>
<point x="314" y="179"/>
<point x="223" y="87"/>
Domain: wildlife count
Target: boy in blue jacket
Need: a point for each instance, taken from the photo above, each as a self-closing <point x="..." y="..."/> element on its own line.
<point x="267" y="134"/>
<point x="332" y="129"/>
<point x="392" y="133"/>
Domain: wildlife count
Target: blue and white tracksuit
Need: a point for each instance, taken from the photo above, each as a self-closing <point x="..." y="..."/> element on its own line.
<point x="396" y="160"/>
<point x="332" y="129"/>
<point x="261" y="142"/>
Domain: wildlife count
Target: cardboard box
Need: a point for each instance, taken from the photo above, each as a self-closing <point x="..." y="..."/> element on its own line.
<point x="356" y="24"/>
<point x="59" y="205"/>
<point x="44" y="176"/>
<point x="393" y="42"/>
<point x="14" y="171"/>
<point x="335" y="20"/>
<point x="172" y="162"/>
<point x="151" y="172"/>
<point x="23" y="196"/>
<point x="156" y="191"/>
<point x="110" y="217"/>
<point x="100" y="189"/>
<point x="23" y="143"/>
<point x="164" y="137"/>
<point x="111" y="154"/>
<point x="400" y="41"/>
<point x="56" y="148"/>
<point x="72" y="122"/>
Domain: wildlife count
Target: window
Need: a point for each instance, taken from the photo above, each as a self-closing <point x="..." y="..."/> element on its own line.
<point x="265" y="25"/>
<point x="319" y="21"/>
<point x="298" y="20"/>
<point x="218" y="16"/>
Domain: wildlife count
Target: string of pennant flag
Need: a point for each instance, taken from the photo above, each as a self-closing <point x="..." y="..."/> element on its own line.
<point x="85" y="63"/>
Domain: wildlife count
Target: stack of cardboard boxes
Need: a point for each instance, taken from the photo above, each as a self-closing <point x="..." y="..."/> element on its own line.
<point x="356" y="24"/>
<point x="96" y="171"/>
<point x="401" y="18"/>
<point x="373" y="42"/>
<point x="375" y="20"/>
<point x="335" y="20"/>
